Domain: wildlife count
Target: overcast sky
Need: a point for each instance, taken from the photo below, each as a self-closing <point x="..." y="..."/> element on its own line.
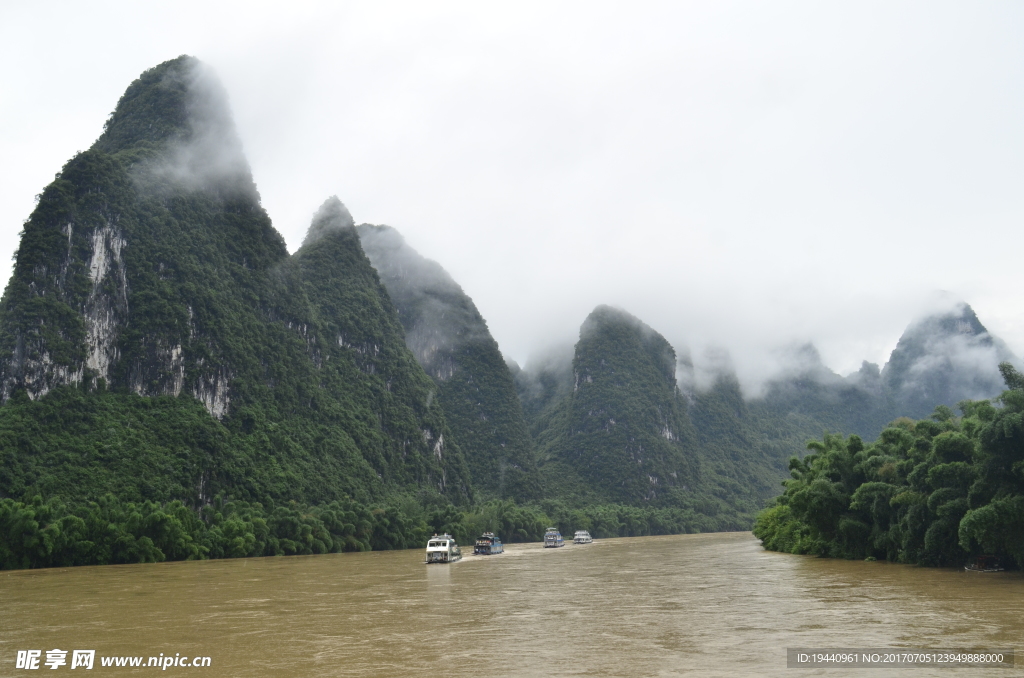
<point x="745" y="175"/>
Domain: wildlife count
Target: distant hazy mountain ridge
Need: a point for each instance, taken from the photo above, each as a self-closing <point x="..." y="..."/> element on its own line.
<point x="943" y="359"/>
<point x="451" y="341"/>
<point x="740" y="445"/>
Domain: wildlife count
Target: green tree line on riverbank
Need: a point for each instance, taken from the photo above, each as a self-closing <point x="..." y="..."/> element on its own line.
<point x="35" y="533"/>
<point x="931" y="492"/>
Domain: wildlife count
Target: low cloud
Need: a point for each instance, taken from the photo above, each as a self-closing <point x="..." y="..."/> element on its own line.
<point x="438" y="316"/>
<point x="208" y="156"/>
<point x="332" y="216"/>
<point x="946" y="356"/>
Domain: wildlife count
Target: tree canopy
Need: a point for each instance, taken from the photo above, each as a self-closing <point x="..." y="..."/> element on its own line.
<point x="930" y="492"/>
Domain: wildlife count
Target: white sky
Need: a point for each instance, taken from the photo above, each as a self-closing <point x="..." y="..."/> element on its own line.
<point x="745" y="175"/>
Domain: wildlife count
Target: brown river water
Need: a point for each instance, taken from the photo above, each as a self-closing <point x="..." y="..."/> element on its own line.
<point x="709" y="605"/>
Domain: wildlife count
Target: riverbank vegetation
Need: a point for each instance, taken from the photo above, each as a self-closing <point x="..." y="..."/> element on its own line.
<point x="36" y="533"/>
<point x="931" y="492"/>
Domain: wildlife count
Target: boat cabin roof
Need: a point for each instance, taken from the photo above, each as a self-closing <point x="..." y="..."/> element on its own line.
<point x="440" y="541"/>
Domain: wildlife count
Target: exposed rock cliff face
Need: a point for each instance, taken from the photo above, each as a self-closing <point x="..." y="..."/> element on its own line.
<point x="105" y="310"/>
<point x="450" y="339"/>
<point x="77" y="312"/>
<point x="149" y="268"/>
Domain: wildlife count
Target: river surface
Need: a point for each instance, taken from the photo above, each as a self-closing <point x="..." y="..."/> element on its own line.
<point x="710" y="605"/>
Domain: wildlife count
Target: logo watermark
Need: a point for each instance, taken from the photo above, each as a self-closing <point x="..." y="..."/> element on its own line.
<point x="86" y="659"/>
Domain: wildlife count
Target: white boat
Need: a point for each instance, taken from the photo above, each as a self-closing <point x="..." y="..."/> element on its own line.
<point x="553" y="538"/>
<point x="582" y="537"/>
<point x="441" y="548"/>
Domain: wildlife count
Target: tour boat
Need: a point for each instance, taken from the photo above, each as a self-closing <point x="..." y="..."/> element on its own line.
<point x="984" y="564"/>
<point x="553" y="538"/>
<point x="582" y="537"/>
<point x="488" y="544"/>
<point x="442" y="549"/>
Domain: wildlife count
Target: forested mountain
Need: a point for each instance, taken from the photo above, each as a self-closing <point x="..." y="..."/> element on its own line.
<point x="450" y="339"/>
<point x="932" y="492"/>
<point x="625" y="434"/>
<point x="613" y="426"/>
<point x="149" y="280"/>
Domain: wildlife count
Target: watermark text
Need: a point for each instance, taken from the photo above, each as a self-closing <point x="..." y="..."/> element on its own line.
<point x="86" y="659"/>
<point x="852" y="658"/>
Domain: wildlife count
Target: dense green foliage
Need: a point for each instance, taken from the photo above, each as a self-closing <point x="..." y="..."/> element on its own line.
<point x="34" y="533"/>
<point x="80" y="446"/>
<point x="50" y="534"/>
<point x="154" y="110"/>
<point x="931" y="492"/>
<point x="620" y="432"/>
<point x="450" y="339"/>
<point x="741" y="452"/>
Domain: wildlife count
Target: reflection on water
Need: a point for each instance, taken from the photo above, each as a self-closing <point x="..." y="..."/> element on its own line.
<point x="714" y="604"/>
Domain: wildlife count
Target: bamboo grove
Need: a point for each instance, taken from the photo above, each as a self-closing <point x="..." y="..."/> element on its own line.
<point x="931" y="492"/>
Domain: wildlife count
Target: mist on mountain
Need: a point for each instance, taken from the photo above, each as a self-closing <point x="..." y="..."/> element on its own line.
<point x="175" y="128"/>
<point x="332" y="216"/>
<point x="451" y="341"/>
<point x="942" y="359"/>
